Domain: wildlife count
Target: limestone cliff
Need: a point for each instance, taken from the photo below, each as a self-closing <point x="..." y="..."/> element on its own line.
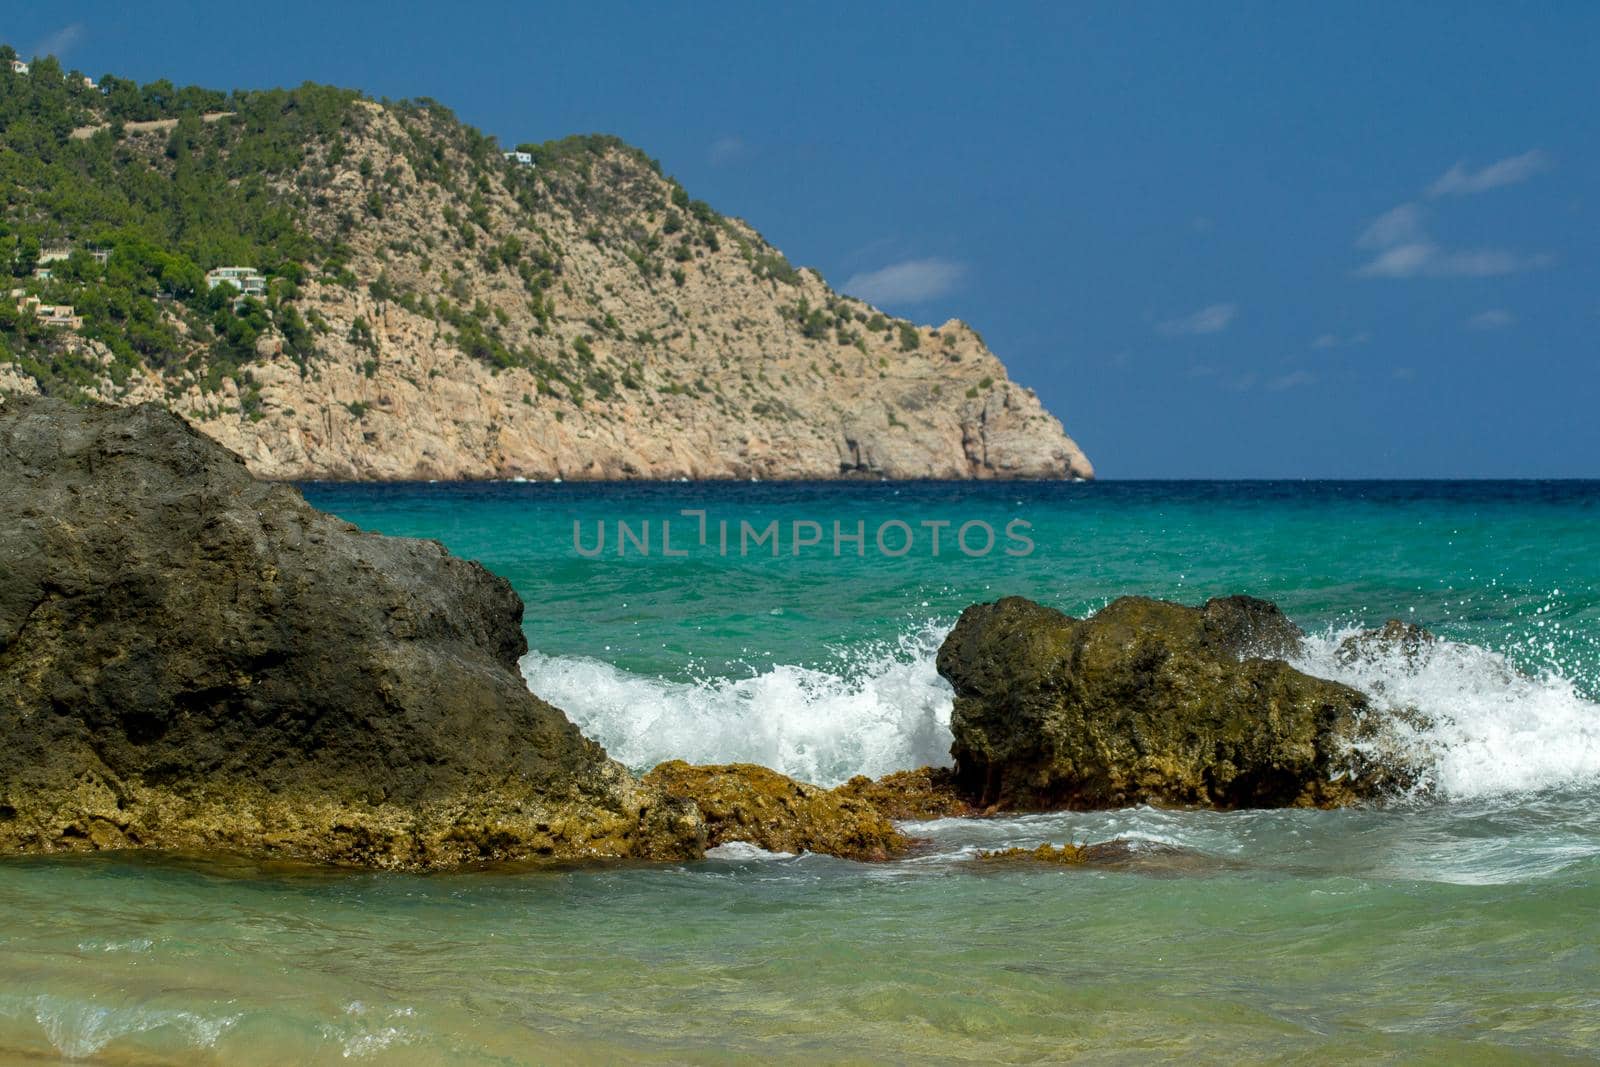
<point x="465" y="315"/>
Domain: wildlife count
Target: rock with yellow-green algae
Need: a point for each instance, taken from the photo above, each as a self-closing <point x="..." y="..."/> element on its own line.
<point x="1148" y="701"/>
<point x="191" y="659"/>
<point x="921" y="794"/>
<point x="747" y="802"/>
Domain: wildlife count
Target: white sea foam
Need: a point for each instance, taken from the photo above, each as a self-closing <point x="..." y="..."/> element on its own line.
<point x="80" y="1028"/>
<point x="369" y="1030"/>
<point x="887" y="711"/>
<point x="744" y="851"/>
<point x="1491" y="728"/>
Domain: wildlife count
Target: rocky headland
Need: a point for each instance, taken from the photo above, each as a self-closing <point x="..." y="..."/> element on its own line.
<point x="421" y="306"/>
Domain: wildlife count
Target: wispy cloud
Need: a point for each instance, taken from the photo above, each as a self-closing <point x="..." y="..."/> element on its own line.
<point x="1293" y="380"/>
<point x="60" y="42"/>
<point x="1428" y="260"/>
<point x="1399" y="237"/>
<point x="1333" y="340"/>
<point x="907" y="282"/>
<point x="726" y="151"/>
<point x="1460" y="181"/>
<point x="1492" y="319"/>
<point x="1397" y="226"/>
<point x="1403" y="247"/>
<point x="1214" y="318"/>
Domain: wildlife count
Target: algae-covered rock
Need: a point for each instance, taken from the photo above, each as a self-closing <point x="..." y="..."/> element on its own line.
<point x="924" y="793"/>
<point x="1144" y="856"/>
<point x="1405" y="639"/>
<point x="747" y="802"/>
<point x="1149" y="702"/>
<point x="1068" y="855"/>
<point x="191" y="659"/>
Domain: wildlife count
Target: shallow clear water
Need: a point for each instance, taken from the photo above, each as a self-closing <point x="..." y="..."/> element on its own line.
<point x="1458" y="927"/>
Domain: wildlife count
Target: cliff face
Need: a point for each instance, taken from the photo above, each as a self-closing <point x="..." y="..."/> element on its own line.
<point x="579" y="318"/>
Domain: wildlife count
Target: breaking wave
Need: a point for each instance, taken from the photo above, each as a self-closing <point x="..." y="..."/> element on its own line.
<point x="1485" y="728"/>
<point x="886" y="710"/>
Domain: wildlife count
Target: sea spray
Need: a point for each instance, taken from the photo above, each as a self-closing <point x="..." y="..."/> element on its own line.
<point x="1485" y="727"/>
<point x="1482" y="726"/>
<point x="883" y="709"/>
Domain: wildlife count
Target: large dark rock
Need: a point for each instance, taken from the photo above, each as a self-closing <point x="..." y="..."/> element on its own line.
<point x="193" y="659"/>
<point x="1150" y="702"/>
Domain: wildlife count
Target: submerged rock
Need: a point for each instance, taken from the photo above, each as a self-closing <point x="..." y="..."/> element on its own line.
<point x="925" y="793"/>
<point x="191" y="659"/>
<point x="1150" y="702"/>
<point x="750" y="803"/>
<point x="1145" y="856"/>
<point x="1069" y="855"/>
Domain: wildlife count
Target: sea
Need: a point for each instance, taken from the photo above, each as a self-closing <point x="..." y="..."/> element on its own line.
<point x="795" y="625"/>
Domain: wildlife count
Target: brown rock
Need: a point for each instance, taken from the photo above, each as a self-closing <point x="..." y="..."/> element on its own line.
<point x="925" y="793"/>
<point x="746" y="802"/>
<point x="1150" y="702"/>
<point x="1119" y="853"/>
<point x="192" y="659"/>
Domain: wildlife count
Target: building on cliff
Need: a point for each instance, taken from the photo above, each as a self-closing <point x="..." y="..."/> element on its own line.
<point x="247" y="280"/>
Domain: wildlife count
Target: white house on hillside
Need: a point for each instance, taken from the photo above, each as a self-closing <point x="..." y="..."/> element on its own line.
<point x="521" y="159"/>
<point x="247" y="280"/>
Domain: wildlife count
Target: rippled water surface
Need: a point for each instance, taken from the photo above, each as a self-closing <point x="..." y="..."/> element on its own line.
<point x="1457" y="927"/>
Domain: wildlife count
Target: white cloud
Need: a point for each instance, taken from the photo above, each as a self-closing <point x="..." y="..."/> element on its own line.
<point x="1493" y="319"/>
<point x="907" y="282"/>
<point x="1213" y="318"/>
<point x="1459" y="181"/>
<point x="1292" y="380"/>
<point x="726" y="150"/>
<point x="1333" y="340"/>
<point x="60" y="42"/>
<point x="1428" y="260"/>
<point x="1397" y="226"/>
<point x="1404" y="249"/>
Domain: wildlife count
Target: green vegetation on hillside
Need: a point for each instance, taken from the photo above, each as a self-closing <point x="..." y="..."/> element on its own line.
<point x="162" y="206"/>
<point x="116" y="198"/>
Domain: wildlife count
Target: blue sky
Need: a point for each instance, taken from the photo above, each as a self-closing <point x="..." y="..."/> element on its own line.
<point x="1246" y="240"/>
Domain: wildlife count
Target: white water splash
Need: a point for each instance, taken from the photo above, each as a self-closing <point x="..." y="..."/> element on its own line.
<point x="745" y="852"/>
<point x="888" y="711"/>
<point x="1490" y="729"/>
<point x="369" y="1030"/>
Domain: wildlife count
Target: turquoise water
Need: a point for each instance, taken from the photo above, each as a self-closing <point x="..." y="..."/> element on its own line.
<point x="1459" y="927"/>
